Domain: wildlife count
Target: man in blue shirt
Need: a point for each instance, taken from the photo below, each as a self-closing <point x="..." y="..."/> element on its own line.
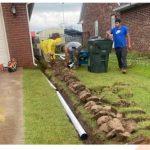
<point x="121" y="40"/>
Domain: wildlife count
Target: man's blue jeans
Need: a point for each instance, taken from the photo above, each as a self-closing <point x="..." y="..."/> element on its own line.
<point x="121" y="54"/>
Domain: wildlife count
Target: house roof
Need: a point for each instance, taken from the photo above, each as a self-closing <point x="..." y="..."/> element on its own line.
<point x="73" y="32"/>
<point x="127" y="7"/>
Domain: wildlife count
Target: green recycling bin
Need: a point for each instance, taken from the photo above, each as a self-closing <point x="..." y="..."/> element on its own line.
<point x="99" y="50"/>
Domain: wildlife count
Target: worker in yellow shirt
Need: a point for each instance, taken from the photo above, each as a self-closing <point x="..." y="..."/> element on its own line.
<point x="56" y="42"/>
<point x="51" y="47"/>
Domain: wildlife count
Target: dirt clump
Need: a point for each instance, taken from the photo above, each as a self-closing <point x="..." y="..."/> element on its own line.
<point x="96" y="108"/>
<point x="93" y="98"/>
<point x="89" y="104"/>
<point x="84" y="95"/>
<point x="115" y="124"/>
<point x="119" y="115"/>
<point x="103" y="113"/>
<point x="104" y="128"/>
<point x="103" y="119"/>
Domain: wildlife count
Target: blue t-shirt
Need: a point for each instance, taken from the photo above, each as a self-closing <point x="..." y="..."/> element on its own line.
<point x="119" y="36"/>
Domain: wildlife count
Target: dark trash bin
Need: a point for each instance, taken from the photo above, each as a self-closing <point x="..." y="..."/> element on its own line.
<point x="99" y="50"/>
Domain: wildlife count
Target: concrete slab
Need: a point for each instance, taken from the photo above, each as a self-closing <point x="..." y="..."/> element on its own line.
<point x="11" y="107"/>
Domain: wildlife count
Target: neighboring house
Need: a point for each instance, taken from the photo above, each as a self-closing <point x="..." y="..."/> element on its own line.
<point x="15" y="40"/>
<point x="96" y="19"/>
<point x="73" y="35"/>
<point x="137" y="17"/>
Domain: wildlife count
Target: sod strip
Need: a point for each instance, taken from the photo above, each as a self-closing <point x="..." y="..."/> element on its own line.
<point x="45" y="118"/>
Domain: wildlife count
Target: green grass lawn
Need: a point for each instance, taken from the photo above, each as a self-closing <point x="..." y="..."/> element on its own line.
<point x="132" y="87"/>
<point x="45" y="118"/>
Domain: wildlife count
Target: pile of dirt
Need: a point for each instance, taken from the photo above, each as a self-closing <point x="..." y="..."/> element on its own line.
<point x="109" y="121"/>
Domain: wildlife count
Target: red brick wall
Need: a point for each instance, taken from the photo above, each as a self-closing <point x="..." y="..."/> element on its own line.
<point x="138" y="21"/>
<point x="97" y="11"/>
<point x="17" y="31"/>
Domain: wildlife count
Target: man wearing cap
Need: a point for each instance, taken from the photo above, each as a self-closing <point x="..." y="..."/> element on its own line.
<point x="122" y="41"/>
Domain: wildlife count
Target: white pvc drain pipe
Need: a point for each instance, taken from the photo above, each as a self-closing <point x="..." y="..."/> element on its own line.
<point x="77" y="125"/>
<point x="62" y="56"/>
<point x="51" y="84"/>
<point x="83" y="135"/>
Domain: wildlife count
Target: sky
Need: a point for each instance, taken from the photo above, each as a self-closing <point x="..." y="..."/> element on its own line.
<point x="50" y="15"/>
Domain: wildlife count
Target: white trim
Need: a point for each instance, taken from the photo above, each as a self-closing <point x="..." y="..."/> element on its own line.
<point x="112" y="21"/>
<point x="5" y="35"/>
<point x="30" y="36"/>
<point x="127" y="6"/>
<point x="96" y="27"/>
<point x="81" y="12"/>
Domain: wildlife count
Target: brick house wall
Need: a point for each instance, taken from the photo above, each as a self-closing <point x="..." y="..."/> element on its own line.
<point x="96" y="11"/>
<point x="138" y="21"/>
<point x="17" y="31"/>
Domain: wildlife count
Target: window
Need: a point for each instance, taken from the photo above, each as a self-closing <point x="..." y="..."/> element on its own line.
<point x="113" y="21"/>
<point x="96" y="28"/>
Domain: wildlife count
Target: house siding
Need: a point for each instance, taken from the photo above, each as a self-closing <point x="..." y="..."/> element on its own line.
<point x="18" y="37"/>
<point x="94" y="11"/>
<point x="138" y="21"/>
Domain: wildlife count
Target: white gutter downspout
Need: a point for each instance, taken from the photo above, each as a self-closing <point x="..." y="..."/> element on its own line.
<point x="30" y="36"/>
